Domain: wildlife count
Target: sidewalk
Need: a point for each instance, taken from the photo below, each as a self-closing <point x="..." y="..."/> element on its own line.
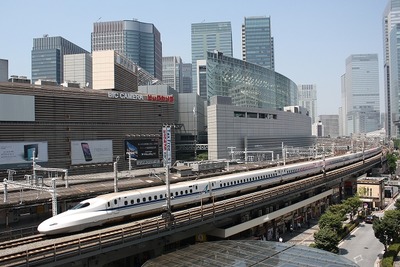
<point x="302" y="236"/>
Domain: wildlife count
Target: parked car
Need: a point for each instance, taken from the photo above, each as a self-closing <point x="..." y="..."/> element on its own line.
<point x="369" y="219"/>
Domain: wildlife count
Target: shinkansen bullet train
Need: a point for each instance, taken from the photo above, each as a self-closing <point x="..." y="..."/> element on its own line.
<point x="142" y="202"/>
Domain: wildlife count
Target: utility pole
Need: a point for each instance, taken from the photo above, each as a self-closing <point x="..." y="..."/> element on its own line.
<point x="116" y="174"/>
<point x="167" y="152"/>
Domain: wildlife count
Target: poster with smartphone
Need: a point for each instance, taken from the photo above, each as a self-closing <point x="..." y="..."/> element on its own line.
<point x="91" y="151"/>
<point x="22" y="152"/>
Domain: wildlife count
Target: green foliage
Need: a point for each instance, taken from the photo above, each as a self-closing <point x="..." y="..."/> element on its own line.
<point x="352" y="204"/>
<point x="202" y="156"/>
<point x="397" y="204"/>
<point x="331" y="220"/>
<point x="339" y="209"/>
<point x="390" y="255"/>
<point x="396" y="143"/>
<point x="327" y="239"/>
<point x="391" y="160"/>
<point x="388" y="228"/>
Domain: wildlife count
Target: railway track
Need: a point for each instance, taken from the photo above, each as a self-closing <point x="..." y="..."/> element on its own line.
<point x="43" y="251"/>
<point x="21" y="241"/>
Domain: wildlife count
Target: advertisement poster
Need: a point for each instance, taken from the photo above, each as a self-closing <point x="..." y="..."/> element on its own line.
<point x="22" y="152"/>
<point x="142" y="148"/>
<point x="91" y="151"/>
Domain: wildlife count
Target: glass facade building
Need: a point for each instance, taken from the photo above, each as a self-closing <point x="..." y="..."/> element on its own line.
<point x="391" y="18"/>
<point x="248" y="84"/>
<point x="257" y="43"/>
<point x="308" y="99"/>
<point x="360" y="94"/>
<point x="187" y="78"/>
<point x="209" y="37"/>
<point x="48" y="57"/>
<point x="140" y="42"/>
<point x="172" y="72"/>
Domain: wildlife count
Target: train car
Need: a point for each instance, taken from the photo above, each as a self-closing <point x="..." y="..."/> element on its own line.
<point x="148" y="201"/>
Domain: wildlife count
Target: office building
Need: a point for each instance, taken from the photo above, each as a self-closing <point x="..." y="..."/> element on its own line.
<point x="331" y="125"/>
<point x="209" y="37"/>
<point x="307" y="96"/>
<point x="187" y="78"/>
<point x="360" y="94"/>
<point x="257" y="43"/>
<point x="248" y="84"/>
<point x="138" y="41"/>
<point x="78" y="69"/>
<point x="172" y="72"/>
<point x="3" y="70"/>
<point x="258" y="131"/>
<point x="48" y="57"/>
<point x="112" y="71"/>
<point x="391" y="17"/>
<point x="201" y="78"/>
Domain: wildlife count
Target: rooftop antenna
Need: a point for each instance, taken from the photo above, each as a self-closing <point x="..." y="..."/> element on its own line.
<point x="98" y="19"/>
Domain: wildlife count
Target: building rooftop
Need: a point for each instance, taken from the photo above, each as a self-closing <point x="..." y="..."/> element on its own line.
<point x="249" y="253"/>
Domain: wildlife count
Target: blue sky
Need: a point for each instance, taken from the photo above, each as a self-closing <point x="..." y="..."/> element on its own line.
<point x="312" y="38"/>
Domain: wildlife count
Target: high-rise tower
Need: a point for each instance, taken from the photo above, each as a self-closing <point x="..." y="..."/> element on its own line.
<point x="48" y="57"/>
<point x="360" y="94"/>
<point x="307" y="97"/>
<point x="207" y="37"/>
<point x="257" y="43"/>
<point x="140" y="42"/>
<point x="391" y="18"/>
<point x="172" y="72"/>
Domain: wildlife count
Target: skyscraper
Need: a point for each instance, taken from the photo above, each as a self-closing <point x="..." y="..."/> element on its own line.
<point x="257" y="43"/>
<point x="360" y="94"/>
<point x="140" y="42"/>
<point x="48" y="57"/>
<point x="207" y="37"/>
<point x="187" y="78"/>
<point x="307" y="97"/>
<point x="172" y="72"/>
<point x="391" y="18"/>
<point x="3" y="70"/>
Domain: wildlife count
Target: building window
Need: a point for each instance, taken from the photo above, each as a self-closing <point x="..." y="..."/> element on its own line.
<point x="239" y="114"/>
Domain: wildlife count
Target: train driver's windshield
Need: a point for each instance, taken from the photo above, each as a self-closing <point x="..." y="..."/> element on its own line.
<point x="81" y="205"/>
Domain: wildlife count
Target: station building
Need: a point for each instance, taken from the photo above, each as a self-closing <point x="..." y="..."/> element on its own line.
<point x="82" y="130"/>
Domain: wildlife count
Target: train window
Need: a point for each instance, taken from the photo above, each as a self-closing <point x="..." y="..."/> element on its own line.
<point x="81" y="205"/>
<point x="161" y="196"/>
<point x="144" y="199"/>
<point x="186" y="192"/>
<point x="172" y="194"/>
<point x="196" y="187"/>
<point x="181" y="192"/>
<point x="126" y="203"/>
<point x="108" y="204"/>
<point x="138" y="200"/>
<point x="149" y="198"/>
<point x="115" y="201"/>
<point x="155" y="197"/>
<point x="224" y="184"/>
<point x="220" y="185"/>
<point x="191" y="191"/>
<point x="176" y="193"/>
<point x="132" y="202"/>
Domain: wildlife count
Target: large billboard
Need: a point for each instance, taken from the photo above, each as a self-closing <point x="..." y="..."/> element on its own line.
<point x="142" y="149"/>
<point x="17" y="153"/>
<point x="91" y="151"/>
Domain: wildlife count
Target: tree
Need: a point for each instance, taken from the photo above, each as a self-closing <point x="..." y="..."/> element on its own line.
<point x="327" y="239"/>
<point x="397" y="204"/>
<point x="331" y="220"/>
<point x="339" y="209"/>
<point x="387" y="228"/>
<point x="392" y="160"/>
<point x="352" y="204"/>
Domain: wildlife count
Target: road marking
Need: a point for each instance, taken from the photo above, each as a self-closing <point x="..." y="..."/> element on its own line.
<point x="358" y="259"/>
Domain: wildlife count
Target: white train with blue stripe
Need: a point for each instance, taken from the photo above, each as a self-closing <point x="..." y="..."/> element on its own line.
<point x="146" y="201"/>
